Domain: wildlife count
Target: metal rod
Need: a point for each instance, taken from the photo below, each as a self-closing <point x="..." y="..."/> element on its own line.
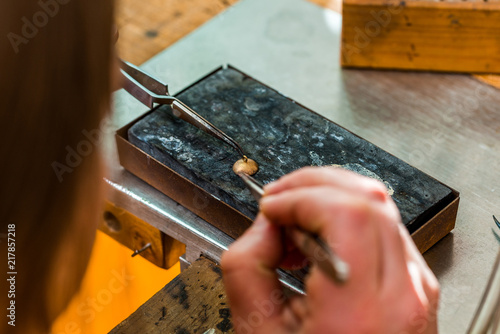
<point x="149" y="90"/>
<point x="148" y="81"/>
<point x="485" y="317"/>
<point x="189" y="115"/>
<point x="139" y="251"/>
<point x="310" y="244"/>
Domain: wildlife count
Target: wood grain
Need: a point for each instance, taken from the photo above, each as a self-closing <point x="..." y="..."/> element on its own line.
<point x="422" y="35"/>
<point x="336" y="5"/>
<point x="135" y="233"/>
<point x="490" y="79"/>
<point x="194" y="302"/>
<point x="148" y="27"/>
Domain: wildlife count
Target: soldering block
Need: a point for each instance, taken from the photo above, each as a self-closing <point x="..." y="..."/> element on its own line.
<point x="449" y="35"/>
<point x="195" y="169"/>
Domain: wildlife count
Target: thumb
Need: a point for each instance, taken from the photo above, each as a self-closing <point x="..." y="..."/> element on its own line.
<point x="250" y="278"/>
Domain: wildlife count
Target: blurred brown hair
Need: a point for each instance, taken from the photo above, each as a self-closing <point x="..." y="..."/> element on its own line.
<point x="53" y="85"/>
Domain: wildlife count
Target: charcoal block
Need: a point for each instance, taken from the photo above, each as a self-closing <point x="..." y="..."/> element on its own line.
<point x="282" y="136"/>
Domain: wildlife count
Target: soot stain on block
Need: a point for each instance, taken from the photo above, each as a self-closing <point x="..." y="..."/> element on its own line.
<point x="280" y="135"/>
<point x="182" y="295"/>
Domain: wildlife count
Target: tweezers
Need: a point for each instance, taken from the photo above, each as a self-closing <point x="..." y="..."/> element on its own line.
<point x="149" y="90"/>
<point x="487" y="316"/>
<point x="310" y="244"/>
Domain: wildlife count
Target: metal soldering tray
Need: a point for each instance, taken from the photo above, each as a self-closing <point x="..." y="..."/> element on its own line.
<point x="194" y="168"/>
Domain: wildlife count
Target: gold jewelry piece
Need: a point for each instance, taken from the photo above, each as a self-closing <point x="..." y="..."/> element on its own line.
<point x="246" y="166"/>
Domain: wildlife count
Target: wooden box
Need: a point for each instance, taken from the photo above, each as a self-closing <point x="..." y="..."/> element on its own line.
<point x="454" y="36"/>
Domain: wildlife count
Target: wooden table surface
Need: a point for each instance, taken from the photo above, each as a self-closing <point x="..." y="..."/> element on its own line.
<point x="194" y="302"/>
<point x="148" y="27"/>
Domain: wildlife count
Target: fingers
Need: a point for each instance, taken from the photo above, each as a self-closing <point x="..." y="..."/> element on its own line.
<point x="344" y="221"/>
<point x="422" y="285"/>
<point x="329" y="176"/>
<point x="295" y="313"/>
<point x="250" y="278"/>
<point x="421" y="274"/>
<point x="388" y="220"/>
<point x="361" y="223"/>
<point x="393" y="251"/>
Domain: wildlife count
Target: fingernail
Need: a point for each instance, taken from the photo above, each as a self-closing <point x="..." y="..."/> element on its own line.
<point x="270" y="187"/>
<point x="259" y="221"/>
<point x="379" y="195"/>
<point x="266" y="200"/>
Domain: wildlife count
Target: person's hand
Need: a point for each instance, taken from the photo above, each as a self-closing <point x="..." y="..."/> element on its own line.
<point x="390" y="288"/>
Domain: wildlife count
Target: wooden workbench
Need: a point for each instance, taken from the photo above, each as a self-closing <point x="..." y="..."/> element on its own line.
<point x="446" y="125"/>
<point x="194" y="302"/>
